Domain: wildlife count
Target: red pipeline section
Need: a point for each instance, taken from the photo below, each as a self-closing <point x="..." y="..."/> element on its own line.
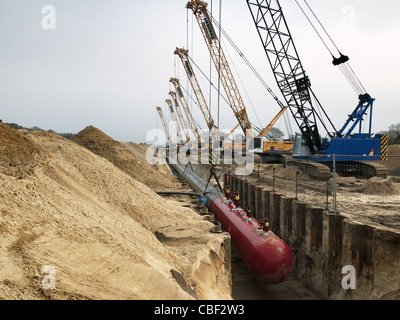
<point x="267" y="256"/>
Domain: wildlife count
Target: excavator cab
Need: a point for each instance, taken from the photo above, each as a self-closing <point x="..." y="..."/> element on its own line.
<point x="300" y="148"/>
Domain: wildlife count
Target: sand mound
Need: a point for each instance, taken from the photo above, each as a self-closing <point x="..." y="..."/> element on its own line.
<point x="143" y="150"/>
<point x="95" y="226"/>
<point x="15" y="149"/>
<point x="393" y="160"/>
<point x="379" y="186"/>
<point x="396" y="171"/>
<point x="124" y="157"/>
<point x="281" y="172"/>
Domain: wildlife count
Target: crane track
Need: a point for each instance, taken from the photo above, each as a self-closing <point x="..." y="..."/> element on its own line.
<point x="314" y="170"/>
<point x="358" y="169"/>
<point x="371" y="169"/>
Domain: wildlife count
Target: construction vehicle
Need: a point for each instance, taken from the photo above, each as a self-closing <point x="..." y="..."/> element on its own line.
<point x="183" y="55"/>
<point x="273" y="150"/>
<point x="213" y="141"/>
<point x="252" y="143"/>
<point x="264" y="146"/>
<point x="174" y="116"/>
<point x="181" y="122"/>
<point x="312" y="153"/>
<point x="164" y="123"/>
<point x="199" y="9"/>
<point x="185" y="106"/>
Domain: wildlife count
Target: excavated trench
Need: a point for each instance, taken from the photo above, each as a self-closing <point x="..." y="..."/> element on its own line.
<point x="244" y="285"/>
<point x="325" y="244"/>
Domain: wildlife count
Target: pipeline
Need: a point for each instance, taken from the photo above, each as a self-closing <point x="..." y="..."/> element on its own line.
<point x="178" y="193"/>
<point x="268" y="257"/>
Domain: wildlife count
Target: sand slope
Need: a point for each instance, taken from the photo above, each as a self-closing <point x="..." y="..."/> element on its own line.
<point x="128" y="157"/>
<point x="65" y="207"/>
<point x="393" y="161"/>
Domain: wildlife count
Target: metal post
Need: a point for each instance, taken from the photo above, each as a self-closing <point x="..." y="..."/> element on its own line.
<point x="286" y="178"/>
<point x="327" y="194"/>
<point x="334" y="183"/>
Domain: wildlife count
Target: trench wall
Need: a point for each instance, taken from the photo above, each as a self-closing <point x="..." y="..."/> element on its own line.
<point x="323" y="244"/>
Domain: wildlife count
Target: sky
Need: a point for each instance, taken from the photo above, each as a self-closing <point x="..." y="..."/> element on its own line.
<point x="108" y="63"/>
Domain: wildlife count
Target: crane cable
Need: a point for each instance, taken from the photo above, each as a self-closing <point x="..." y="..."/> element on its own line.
<point x="219" y="61"/>
<point x="212" y="84"/>
<point x="208" y="79"/>
<point x="241" y="82"/>
<point x="196" y="103"/>
<point x="342" y="61"/>
<point x="253" y="69"/>
<point x="315" y="29"/>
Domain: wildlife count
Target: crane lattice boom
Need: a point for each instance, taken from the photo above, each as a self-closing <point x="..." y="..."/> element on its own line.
<point x="183" y="55"/>
<point x="180" y="115"/>
<point x="164" y="123"/>
<point x="287" y="68"/>
<point x="199" y="9"/>
<point x="179" y="131"/>
<point x="186" y="109"/>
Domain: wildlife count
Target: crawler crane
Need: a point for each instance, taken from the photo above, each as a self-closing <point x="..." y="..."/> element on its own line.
<point x="179" y="131"/>
<point x="164" y="123"/>
<point x="312" y="153"/>
<point x="259" y="143"/>
<point x="182" y="123"/>
<point x="189" y="116"/>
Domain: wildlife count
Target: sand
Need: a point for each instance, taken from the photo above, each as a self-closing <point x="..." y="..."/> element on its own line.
<point x="280" y="171"/>
<point x="375" y="200"/>
<point x="393" y="161"/>
<point x="128" y="157"/>
<point x="379" y="186"/>
<point x="95" y="225"/>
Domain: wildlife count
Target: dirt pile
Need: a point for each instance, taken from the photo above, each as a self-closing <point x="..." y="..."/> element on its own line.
<point x="280" y="171"/>
<point x="15" y="149"/>
<point x="379" y="186"/>
<point x="393" y="161"/>
<point x="17" y="153"/>
<point x="94" y="226"/>
<point x="143" y="151"/>
<point x="125" y="157"/>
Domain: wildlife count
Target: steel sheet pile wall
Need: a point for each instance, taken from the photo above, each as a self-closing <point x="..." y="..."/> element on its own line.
<point x="324" y="243"/>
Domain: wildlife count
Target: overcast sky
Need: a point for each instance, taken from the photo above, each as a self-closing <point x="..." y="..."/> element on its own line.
<point x="108" y="63"/>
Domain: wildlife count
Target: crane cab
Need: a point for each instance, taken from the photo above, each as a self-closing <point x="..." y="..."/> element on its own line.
<point x="255" y="145"/>
<point x="300" y="148"/>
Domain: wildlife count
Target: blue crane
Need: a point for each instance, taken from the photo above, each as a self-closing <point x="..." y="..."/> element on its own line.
<point x="352" y="147"/>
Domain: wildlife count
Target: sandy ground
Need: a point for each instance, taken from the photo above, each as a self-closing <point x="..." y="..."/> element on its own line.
<point x="95" y="226"/>
<point x="87" y="210"/>
<point x="246" y="287"/>
<point x="374" y="200"/>
<point x="129" y="157"/>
